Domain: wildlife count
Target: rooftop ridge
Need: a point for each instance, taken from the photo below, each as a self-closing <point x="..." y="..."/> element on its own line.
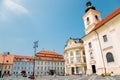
<point x="107" y="18"/>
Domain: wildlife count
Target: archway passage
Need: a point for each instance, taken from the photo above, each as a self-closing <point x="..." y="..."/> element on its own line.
<point x="51" y="72"/>
<point x="93" y="69"/>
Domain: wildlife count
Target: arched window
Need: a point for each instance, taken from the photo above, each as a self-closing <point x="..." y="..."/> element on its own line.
<point x="88" y="21"/>
<point x="109" y="57"/>
<point x="96" y="17"/>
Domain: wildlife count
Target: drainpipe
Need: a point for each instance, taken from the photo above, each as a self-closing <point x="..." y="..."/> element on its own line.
<point x="101" y="51"/>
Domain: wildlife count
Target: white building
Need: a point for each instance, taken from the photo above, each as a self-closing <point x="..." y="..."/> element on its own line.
<point x="22" y="63"/>
<point x="74" y="55"/>
<point x="49" y="63"/>
<point x="102" y="41"/>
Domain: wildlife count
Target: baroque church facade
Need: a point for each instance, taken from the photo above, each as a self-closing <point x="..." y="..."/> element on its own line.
<point x="101" y="41"/>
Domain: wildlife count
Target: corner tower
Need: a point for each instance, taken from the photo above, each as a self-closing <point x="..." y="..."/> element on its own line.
<point x="91" y="17"/>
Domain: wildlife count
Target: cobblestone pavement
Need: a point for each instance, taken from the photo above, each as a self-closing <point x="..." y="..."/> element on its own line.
<point x="74" y="77"/>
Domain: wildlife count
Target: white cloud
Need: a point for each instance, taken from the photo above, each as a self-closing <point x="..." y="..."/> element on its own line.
<point x="8" y="8"/>
<point x="14" y="6"/>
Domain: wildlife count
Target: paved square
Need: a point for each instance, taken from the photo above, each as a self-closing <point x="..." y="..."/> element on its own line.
<point x="73" y="77"/>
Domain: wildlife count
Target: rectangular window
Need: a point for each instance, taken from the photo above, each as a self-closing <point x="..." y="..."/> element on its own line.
<point x="5" y="67"/>
<point x="14" y="67"/>
<point x="78" y="59"/>
<point x="77" y="70"/>
<point x="91" y="55"/>
<point x="66" y="54"/>
<point x="71" y="53"/>
<point x="83" y="52"/>
<point x="90" y="45"/>
<point x="38" y="62"/>
<point x="71" y="60"/>
<point x="9" y="67"/>
<point x="67" y="60"/>
<point x="41" y="63"/>
<point x="38" y="67"/>
<point x="77" y="52"/>
<point x="41" y="68"/>
<point x="105" y="38"/>
<point x="84" y="59"/>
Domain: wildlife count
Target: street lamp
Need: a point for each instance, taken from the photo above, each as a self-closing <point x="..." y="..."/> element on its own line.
<point x="35" y="47"/>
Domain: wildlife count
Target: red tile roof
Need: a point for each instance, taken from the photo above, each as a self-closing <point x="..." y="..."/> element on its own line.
<point x="18" y="58"/>
<point x="106" y="19"/>
<point x="48" y="52"/>
<point x="49" y="55"/>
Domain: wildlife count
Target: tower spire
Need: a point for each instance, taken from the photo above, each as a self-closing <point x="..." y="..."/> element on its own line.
<point x="89" y="6"/>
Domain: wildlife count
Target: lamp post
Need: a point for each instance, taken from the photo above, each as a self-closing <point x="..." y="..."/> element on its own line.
<point x="35" y="47"/>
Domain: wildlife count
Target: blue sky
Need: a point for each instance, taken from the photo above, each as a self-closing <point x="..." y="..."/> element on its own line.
<point x="52" y="22"/>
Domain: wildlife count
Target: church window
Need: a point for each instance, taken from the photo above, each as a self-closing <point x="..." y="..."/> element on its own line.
<point x="91" y="55"/>
<point x="90" y="45"/>
<point x="88" y="21"/>
<point x="105" y="38"/>
<point x="109" y="57"/>
<point x="96" y="17"/>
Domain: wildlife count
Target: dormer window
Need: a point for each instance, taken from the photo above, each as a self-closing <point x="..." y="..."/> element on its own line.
<point x="88" y="21"/>
<point x="96" y="17"/>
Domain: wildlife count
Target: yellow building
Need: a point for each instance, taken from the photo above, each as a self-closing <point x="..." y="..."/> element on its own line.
<point x="75" y="62"/>
<point x="6" y="63"/>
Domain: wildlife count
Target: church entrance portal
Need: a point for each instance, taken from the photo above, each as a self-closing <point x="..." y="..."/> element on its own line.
<point x="93" y="69"/>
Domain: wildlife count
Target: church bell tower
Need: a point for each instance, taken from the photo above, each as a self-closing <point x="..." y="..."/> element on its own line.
<point x="91" y="17"/>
